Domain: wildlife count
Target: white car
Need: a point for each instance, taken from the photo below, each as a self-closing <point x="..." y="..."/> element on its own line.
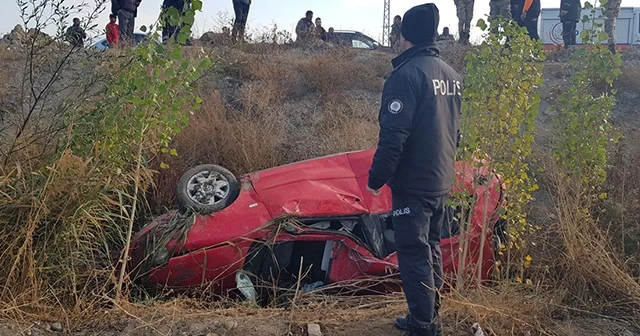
<point x="104" y="45"/>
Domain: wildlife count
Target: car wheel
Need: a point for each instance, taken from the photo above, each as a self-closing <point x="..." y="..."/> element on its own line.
<point x="206" y="189"/>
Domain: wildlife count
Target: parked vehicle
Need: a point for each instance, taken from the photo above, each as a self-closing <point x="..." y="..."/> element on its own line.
<point x="627" y="27"/>
<point x="359" y="40"/>
<point x="104" y="45"/>
<point x="314" y="217"/>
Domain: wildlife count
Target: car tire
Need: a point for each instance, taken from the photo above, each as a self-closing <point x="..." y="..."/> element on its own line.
<point x="206" y="189"/>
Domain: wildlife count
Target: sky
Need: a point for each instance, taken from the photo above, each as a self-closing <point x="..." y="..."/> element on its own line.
<point x="360" y="15"/>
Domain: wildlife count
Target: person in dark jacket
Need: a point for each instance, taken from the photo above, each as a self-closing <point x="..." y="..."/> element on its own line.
<point x="126" y="10"/>
<point x="446" y="35"/>
<point x="569" y="16"/>
<point x="169" y="30"/>
<point x="75" y="34"/>
<point x="530" y="14"/>
<point x="516" y="11"/>
<point x="331" y="36"/>
<point x="419" y="129"/>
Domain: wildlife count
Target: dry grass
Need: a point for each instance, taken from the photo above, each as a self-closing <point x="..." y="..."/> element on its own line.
<point x="620" y="213"/>
<point x="266" y="110"/>
<point x="629" y="79"/>
<point x="56" y="227"/>
<point x="265" y="107"/>
<point x="455" y="55"/>
<point x="589" y="265"/>
<point x="338" y="72"/>
<point x="507" y="310"/>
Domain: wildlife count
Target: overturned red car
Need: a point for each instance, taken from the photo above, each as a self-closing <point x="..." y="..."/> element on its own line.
<point x="310" y="223"/>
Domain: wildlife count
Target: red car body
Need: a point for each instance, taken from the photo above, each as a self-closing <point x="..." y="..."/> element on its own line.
<point x="212" y="248"/>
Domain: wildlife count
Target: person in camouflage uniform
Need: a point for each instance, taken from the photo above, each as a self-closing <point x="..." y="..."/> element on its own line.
<point x="305" y="29"/>
<point x="611" y="11"/>
<point x="465" y="15"/>
<point x="394" y="36"/>
<point x="499" y="8"/>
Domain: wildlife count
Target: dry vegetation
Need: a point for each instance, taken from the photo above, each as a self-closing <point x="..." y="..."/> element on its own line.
<point x="266" y="106"/>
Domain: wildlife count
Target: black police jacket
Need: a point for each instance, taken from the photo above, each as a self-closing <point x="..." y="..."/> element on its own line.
<point x="419" y="125"/>
<point x="573" y="8"/>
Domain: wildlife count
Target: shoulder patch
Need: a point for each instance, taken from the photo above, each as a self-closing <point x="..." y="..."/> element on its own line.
<point x="395" y="106"/>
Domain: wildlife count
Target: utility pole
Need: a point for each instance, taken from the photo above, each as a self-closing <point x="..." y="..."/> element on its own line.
<point x="386" y="23"/>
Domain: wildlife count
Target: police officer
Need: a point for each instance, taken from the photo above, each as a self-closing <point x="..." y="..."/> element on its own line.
<point x="419" y="127"/>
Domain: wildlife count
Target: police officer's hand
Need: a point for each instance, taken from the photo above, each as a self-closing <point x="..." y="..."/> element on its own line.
<point x="563" y="13"/>
<point x="373" y="192"/>
<point x="523" y="16"/>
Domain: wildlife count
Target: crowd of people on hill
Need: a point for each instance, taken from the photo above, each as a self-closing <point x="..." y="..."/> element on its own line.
<point x="308" y="29"/>
<point x="121" y="24"/>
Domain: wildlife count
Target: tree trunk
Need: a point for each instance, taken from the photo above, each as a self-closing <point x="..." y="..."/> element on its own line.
<point x="611" y="10"/>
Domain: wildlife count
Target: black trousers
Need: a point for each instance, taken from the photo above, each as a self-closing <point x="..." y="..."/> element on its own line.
<point x="531" y="22"/>
<point x="569" y="33"/>
<point x="417" y="223"/>
<point x="242" y="13"/>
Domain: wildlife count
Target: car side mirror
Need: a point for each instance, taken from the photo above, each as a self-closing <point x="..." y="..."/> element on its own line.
<point x="376" y="45"/>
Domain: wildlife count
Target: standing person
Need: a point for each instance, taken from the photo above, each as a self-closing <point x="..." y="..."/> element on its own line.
<point x="464" y="11"/>
<point x="499" y="8"/>
<point x="516" y="11"/>
<point x="169" y="30"/>
<point x="394" y="35"/>
<point x="331" y="36"/>
<point x="320" y="32"/>
<point x="569" y="16"/>
<point x="446" y="35"/>
<point x="126" y="10"/>
<point x="241" y="9"/>
<point x="112" y="30"/>
<point x="530" y="14"/>
<point x="419" y="128"/>
<point x="75" y="34"/>
<point x="305" y="27"/>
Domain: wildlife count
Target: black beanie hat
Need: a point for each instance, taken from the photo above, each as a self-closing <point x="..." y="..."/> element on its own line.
<point x="420" y="24"/>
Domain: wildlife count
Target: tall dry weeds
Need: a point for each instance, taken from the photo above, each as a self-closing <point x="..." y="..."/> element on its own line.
<point x="56" y="229"/>
<point x="591" y="265"/>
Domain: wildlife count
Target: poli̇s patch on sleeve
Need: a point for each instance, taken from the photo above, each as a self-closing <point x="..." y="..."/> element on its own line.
<point x="395" y="106"/>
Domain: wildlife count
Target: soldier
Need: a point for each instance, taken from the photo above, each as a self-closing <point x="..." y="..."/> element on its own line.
<point x="419" y="127"/>
<point x="499" y="8"/>
<point x="320" y="32"/>
<point x="305" y="27"/>
<point x="611" y="12"/>
<point x="464" y="10"/>
<point x="394" y="36"/>
<point x="569" y="16"/>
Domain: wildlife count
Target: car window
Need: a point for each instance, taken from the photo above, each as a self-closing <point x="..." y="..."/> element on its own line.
<point x="359" y="44"/>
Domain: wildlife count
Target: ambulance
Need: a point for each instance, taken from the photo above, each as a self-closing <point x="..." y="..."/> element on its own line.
<point x="627" y="27"/>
